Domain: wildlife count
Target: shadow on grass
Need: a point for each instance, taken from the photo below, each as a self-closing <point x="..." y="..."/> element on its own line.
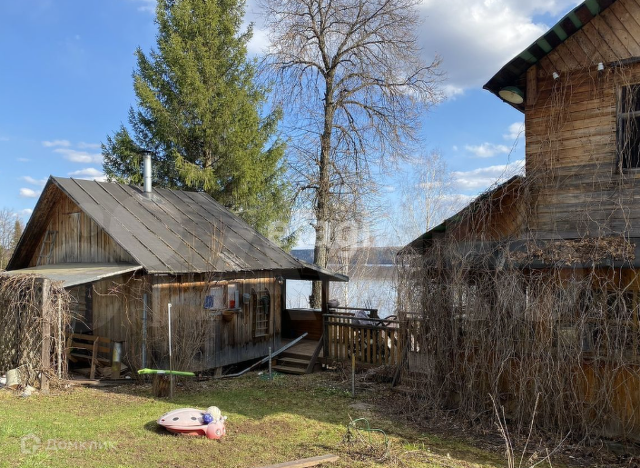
<point x="153" y="426"/>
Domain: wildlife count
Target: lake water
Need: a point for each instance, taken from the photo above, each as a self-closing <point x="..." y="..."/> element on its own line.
<point x="370" y="287"/>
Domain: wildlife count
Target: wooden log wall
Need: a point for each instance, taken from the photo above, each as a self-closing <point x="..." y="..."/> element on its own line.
<point x="79" y="239"/>
<point x="571" y="149"/>
<point x="230" y="339"/>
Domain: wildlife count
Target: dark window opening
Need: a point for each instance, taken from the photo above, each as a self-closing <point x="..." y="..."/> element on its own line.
<point x="628" y="130"/>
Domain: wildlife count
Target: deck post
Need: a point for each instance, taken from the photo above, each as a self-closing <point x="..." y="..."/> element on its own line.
<point x="325" y="297"/>
<point x="325" y="311"/>
<point x="325" y="338"/>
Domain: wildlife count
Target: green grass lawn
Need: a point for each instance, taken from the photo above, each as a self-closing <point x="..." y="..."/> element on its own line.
<point x="269" y="422"/>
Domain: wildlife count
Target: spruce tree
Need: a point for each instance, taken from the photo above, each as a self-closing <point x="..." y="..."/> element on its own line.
<point x="17" y="233"/>
<point x="201" y="114"/>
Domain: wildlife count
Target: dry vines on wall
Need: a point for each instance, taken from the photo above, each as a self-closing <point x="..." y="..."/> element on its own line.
<point x="22" y="315"/>
<point x="547" y="310"/>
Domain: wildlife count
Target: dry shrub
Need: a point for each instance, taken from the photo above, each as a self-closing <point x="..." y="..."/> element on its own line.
<point x="533" y="289"/>
<point x="22" y="313"/>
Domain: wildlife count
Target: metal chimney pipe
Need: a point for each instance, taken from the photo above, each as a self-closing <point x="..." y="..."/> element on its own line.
<point x="148" y="188"/>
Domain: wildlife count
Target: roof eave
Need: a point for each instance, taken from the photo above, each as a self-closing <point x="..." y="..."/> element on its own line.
<point x="570" y="24"/>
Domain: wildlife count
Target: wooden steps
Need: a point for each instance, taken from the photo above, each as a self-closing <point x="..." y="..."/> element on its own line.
<point x="292" y="363"/>
<point x="289" y="370"/>
<point x="297" y="359"/>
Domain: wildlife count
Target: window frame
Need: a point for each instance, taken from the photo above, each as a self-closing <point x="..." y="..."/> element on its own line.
<point x="622" y="126"/>
<point x="261" y="315"/>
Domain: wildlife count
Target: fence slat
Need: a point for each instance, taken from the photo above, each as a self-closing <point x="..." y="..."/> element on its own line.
<point x="376" y="347"/>
<point x="373" y="345"/>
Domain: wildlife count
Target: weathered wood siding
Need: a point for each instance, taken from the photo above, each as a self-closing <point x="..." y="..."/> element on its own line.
<point x="226" y="342"/>
<point x="117" y="312"/>
<point x="571" y="151"/>
<point x="79" y="239"/>
<point x="499" y="216"/>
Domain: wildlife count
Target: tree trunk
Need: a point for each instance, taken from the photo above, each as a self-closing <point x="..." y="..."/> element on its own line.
<point x="323" y="221"/>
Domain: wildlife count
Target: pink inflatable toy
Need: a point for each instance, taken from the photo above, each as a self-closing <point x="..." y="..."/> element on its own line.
<point x="191" y="421"/>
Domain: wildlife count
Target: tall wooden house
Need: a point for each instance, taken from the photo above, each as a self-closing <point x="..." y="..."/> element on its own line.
<point x="540" y="275"/>
<point x="124" y="253"/>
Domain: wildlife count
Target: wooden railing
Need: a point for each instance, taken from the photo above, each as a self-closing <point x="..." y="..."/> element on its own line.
<point x="373" y="341"/>
<point x="372" y="313"/>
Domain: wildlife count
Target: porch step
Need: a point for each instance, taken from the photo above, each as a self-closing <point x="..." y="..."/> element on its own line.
<point x="293" y="362"/>
<point x="289" y="370"/>
<point x="294" y="355"/>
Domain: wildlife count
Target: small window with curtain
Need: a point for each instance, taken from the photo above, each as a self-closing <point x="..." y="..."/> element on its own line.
<point x="628" y="127"/>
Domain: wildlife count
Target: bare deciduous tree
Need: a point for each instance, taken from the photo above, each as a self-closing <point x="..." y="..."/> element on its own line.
<point x="9" y="224"/>
<point x="351" y="75"/>
<point x="425" y="198"/>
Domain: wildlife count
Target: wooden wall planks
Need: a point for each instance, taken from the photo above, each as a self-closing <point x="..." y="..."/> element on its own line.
<point x="79" y="239"/>
<point x="227" y="342"/>
<point x="571" y="148"/>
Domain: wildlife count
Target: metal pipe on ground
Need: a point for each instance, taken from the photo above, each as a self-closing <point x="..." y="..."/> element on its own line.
<point x="268" y="358"/>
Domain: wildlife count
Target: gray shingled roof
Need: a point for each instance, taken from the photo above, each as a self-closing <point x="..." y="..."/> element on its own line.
<point x="168" y="231"/>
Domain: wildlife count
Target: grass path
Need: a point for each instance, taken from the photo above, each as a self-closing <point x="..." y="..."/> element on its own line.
<point x="269" y="422"/>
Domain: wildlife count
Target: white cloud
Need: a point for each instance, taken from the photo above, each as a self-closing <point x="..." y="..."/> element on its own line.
<point x="32" y="181"/>
<point x="53" y="143"/>
<point x="458" y="198"/>
<point x="25" y="213"/>
<point x="4" y="138"/>
<point x="148" y="6"/>
<point x="89" y="173"/>
<point x="452" y="91"/>
<point x="23" y="159"/>
<point x="515" y="131"/>
<point x="487" y="150"/>
<point x="259" y="41"/>
<point x="83" y="145"/>
<point x="388" y="188"/>
<point x="477" y="37"/>
<point x="455" y="202"/>
<point x="29" y="193"/>
<point x="79" y="156"/>
<point x="485" y="177"/>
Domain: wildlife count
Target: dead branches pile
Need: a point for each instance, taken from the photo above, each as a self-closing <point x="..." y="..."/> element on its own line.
<point x="24" y="308"/>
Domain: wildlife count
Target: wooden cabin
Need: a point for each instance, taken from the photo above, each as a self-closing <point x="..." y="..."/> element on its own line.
<point x="124" y="254"/>
<point x="569" y="228"/>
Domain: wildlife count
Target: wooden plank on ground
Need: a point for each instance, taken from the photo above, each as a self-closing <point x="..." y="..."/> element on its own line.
<point x="306" y="462"/>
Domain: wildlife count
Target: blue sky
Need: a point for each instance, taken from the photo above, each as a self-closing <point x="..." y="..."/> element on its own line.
<point x="65" y="83"/>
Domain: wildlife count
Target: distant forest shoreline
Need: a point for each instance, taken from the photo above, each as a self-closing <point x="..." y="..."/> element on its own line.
<point x="378" y="256"/>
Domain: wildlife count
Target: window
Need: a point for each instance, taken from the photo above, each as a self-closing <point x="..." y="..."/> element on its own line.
<point x="261" y="303"/>
<point x="628" y="131"/>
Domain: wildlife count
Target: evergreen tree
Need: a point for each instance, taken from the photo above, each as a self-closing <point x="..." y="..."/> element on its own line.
<point x="201" y="114"/>
<point x="17" y="233"/>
